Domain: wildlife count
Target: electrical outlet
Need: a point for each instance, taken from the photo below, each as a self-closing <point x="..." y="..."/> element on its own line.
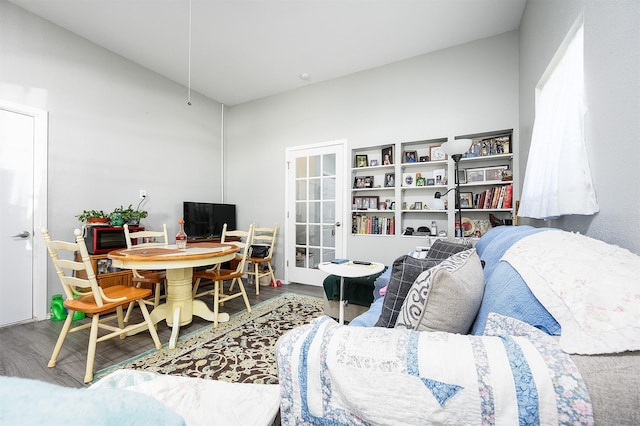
<point x="143" y="194"/>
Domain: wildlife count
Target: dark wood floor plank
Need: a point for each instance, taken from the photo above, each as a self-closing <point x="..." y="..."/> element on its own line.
<point x="25" y="349"/>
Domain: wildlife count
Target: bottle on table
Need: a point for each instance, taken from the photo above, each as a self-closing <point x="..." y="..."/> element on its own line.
<point x="181" y="236"/>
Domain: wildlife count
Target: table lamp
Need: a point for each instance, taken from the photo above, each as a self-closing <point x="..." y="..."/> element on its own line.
<point x="455" y="148"/>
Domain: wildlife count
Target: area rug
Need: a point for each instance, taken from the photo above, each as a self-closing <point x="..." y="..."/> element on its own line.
<point x="240" y="351"/>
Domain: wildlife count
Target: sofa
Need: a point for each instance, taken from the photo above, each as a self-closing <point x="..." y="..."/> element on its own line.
<point x="530" y="326"/>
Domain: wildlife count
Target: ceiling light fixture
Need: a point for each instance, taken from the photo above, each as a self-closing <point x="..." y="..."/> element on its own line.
<point x="304" y="76"/>
<point x="189" y="61"/>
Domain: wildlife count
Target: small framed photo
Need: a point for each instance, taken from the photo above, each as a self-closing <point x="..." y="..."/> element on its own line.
<point x="408" y="179"/>
<point x="423" y="158"/>
<point x="410" y="156"/>
<point x="466" y="200"/>
<point x="365" y="203"/>
<point x="462" y="176"/>
<point x="362" y="161"/>
<point x="373" y="163"/>
<point x="420" y="181"/>
<point x="387" y="156"/>
<point x="494" y="173"/>
<point x="436" y="153"/>
<point x="374" y="202"/>
<point x="418" y="205"/>
<point x="475" y="175"/>
<point x="389" y="180"/>
<point x="363" y="182"/>
<point x="431" y="182"/>
<point x="103" y="266"/>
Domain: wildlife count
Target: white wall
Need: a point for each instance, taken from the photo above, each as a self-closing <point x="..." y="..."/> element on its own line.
<point x="465" y="89"/>
<point x="612" y="125"/>
<point x="114" y="127"/>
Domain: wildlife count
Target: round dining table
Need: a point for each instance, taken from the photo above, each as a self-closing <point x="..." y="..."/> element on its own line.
<point x="179" y="307"/>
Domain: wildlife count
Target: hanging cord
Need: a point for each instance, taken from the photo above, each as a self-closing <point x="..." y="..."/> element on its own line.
<point x="189" y="71"/>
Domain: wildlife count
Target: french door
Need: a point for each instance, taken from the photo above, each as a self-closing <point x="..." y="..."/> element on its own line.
<point x="314" y="211"/>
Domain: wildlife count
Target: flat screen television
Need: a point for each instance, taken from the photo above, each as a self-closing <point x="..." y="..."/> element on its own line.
<point x="205" y="220"/>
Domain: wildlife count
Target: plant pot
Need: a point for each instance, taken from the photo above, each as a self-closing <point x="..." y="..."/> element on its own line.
<point x="98" y="220"/>
<point x="117" y="219"/>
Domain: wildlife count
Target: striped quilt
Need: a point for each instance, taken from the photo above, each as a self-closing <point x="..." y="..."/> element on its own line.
<point x="332" y="374"/>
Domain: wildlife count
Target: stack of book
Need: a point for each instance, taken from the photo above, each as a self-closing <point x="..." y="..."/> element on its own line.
<point x="497" y="197"/>
<point x="377" y="225"/>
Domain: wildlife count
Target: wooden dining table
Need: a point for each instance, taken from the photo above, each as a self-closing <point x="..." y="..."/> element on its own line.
<point x="179" y="307"/>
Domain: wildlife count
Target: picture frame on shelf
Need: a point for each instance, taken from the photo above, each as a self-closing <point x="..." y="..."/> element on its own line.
<point x="466" y="200"/>
<point x="436" y="153"/>
<point x="373" y="163"/>
<point x="462" y="176"/>
<point x="494" y="173"/>
<point x="410" y="156"/>
<point x="420" y="181"/>
<point x="389" y="180"/>
<point x="387" y="156"/>
<point x="423" y="159"/>
<point x="368" y="181"/>
<point x="475" y="175"/>
<point x="408" y="179"/>
<point x="362" y="160"/>
<point x="366" y="202"/>
<point x="431" y="182"/>
<point x="418" y="205"/>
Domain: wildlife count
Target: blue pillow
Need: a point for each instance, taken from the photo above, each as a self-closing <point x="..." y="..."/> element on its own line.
<point x="32" y="402"/>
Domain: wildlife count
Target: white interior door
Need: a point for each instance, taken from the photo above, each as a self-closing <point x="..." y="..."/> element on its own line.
<point x="23" y="283"/>
<point x="315" y="215"/>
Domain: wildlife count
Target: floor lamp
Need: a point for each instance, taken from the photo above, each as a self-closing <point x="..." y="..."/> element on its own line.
<point x="455" y="148"/>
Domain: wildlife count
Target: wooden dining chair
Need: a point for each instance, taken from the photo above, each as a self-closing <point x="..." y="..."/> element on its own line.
<point x="154" y="279"/>
<point x="265" y="238"/>
<point x="85" y="295"/>
<point x="219" y="275"/>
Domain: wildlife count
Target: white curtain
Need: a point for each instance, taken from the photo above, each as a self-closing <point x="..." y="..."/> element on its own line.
<point x="557" y="180"/>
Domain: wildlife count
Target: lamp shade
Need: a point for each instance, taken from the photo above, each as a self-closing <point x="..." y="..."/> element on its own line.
<point x="456" y="146"/>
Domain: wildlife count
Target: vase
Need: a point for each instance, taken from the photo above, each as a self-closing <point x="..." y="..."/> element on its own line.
<point x="117" y="219"/>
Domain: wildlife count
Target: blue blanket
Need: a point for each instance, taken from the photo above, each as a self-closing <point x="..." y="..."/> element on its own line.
<point x="505" y="291"/>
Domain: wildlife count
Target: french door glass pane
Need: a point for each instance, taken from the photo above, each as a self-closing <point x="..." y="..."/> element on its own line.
<point x="315" y="210"/>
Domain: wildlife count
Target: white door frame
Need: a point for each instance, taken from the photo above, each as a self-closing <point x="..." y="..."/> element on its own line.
<point x="345" y="220"/>
<point x="40" y="205"/>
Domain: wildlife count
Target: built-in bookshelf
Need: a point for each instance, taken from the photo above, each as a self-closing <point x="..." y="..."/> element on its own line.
<point x="400" y="188"/>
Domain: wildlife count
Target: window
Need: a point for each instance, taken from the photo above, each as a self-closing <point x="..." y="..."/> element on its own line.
<point x="557" y="180"/>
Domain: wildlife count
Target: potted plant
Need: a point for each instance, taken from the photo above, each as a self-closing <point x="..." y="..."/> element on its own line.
<point x="94" y="216"/>
<point x="122" y="215"/>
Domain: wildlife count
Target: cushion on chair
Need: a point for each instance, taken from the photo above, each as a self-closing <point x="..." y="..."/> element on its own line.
<point x="446" y="297"/>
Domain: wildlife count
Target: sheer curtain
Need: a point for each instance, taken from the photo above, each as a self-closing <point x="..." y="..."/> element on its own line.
<point x="557" y="180"/>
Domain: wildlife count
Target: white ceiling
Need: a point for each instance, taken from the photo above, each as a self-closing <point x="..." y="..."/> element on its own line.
<point x="244" y="50"/>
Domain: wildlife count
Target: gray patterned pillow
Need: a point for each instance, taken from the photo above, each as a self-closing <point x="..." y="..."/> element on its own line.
<point x="442" y="249"/>
<point x="404" y="272"/>
<point x="446" y="297"/>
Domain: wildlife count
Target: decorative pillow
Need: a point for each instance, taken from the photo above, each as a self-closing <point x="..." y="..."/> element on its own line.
<point x="446" y="297"/>
<point x="404" y="272"/>
<point x="442" y="249"/>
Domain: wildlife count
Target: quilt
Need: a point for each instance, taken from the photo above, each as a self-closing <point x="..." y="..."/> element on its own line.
<point x="332" y="374"/>
<point x="590" y="287"/>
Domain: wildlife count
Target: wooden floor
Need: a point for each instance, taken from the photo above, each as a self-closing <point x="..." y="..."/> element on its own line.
<point x="25" y="349"/>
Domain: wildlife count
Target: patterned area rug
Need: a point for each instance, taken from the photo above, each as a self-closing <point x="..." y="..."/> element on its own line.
<point x="241" y="350"/>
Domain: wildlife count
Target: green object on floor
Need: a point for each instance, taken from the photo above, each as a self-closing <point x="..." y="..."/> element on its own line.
<point x="58" y="313"/>
<point x="78" y="315"/>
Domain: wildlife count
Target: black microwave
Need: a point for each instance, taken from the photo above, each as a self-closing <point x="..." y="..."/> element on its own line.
<point x="103" y="239"/>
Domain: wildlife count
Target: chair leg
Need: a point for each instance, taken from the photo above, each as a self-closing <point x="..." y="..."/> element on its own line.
<point x="244" y="295"/>
<point x="273" y="276"/>
<point x="150" y="324"/>
<point x="256" y="276"/>
<point x="156" y="299"/>
<point x="91" y="350"/>
<point x="63" y="335"/>
<point x="216" y="298"/>
<point x="128" y="314"/>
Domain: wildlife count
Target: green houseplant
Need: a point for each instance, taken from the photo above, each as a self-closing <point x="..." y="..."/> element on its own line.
<point x="122" y="215"/>
<point x="94" y="216"/>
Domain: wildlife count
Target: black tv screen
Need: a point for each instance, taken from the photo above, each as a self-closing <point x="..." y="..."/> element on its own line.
<point x="205" y="220"/>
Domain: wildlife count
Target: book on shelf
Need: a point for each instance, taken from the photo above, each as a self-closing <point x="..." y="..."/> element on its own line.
<point x="373" y="225"/>
<point x="496" y="197"/>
